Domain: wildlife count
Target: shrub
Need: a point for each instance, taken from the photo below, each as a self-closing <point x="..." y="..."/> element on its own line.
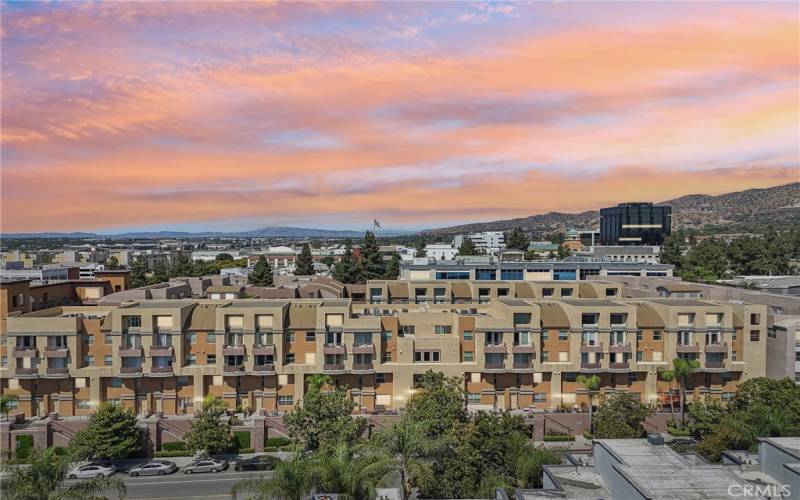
<point x="247" y="450"/>
<point x="277" y="442"/>
<point x="588" y="435"/>
<point x="174" y="453"/>
<point x="559" y="437"/>
<point x="60" y="451"/>
<point x="270" y="448"/>
<point x="174" y="446"/>
<point x="24" y="446"/>
<point x="679" y="432"/>
<point x="241" y="439"/>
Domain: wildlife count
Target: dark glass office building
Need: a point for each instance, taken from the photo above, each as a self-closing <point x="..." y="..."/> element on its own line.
<point x="635" y="224"/>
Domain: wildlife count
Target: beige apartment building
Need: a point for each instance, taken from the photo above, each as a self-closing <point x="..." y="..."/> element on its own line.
<point x="514" y="344"/>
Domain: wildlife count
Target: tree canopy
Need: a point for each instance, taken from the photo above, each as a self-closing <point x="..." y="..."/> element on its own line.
<point x="467" y="247"/>
<point x="348" y="269"/>
<point x="111" y="433"/>
<point x="517" y="239"/>
<point x="372" y="261"/>
<point x="209" y="433"/>
<point x="622" y="416"/>
<point x="304" y="264"/>
<point x="261" y="274"/>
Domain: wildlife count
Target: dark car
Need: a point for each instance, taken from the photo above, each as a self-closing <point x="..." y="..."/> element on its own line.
<point x="259" y="462"/>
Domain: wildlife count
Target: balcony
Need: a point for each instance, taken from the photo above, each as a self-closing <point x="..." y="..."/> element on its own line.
<point x="688" y="347"/>
<point x="57" y="372"/>
<point x="590" y="366"/>
<point x="523" y="349"/>
<point x="26" y="373"/>
<point x="718" y="347"/>
<point x="235" y="370"/>
<point x="161" y="350"/>
<point x="25" y="351"/>
<point x="233" y="350"/>
<point x="619" y="366"/>
<point x="363" y="349"/>
<point x="334" y="349"/>
<point x="161" y="371"/>
<point x="714" y="365"/>
<point x="263" y="369"/>
<point x="264" y="350"/>
<point x="494" y="367"/>
<point x="130" y="371"/>
<point x="56" y="352"/>
<point x="522" y="367"/>
<point x="620" y="347"/>
<point x="130" y="352"/>
<point x="333" y="368"/>
<point x="494" y="348"/>
<point x="596" y="347"/>
<point x="363" y="368"/>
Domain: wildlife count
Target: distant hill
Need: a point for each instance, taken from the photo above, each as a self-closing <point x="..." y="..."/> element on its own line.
<point x="265" y="232"/>
<point x="775" y="205"/>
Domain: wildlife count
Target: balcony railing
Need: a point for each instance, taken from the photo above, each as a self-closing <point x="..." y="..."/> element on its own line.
<point x="620" y="347"/>
<point x="161" y="369"/>
<point x="57" y="371"/>
<point x="161" y="350"/>
<point x="690" y="347"/>
<point x="523" y="366"/>
<point x="590" y="366"/>
<point x="56" y="352"/>
<point x="264" y="368"/>
<point x="619" y="366"/>
<point x="494" y="366"/>
<point x="264" y="350"/>
<point x="233" y="369"/>
<point x="130" y="352"/>
<point x="523" y="349"/>
<point x="717" y="347"/>
<point x="363" y="367"/>
<point x="333" y="367"/>
<point x="334" y="349"/>
<point x="715" y="365"/>
<point x="363" y="349"/>
<point x="494" y="348"/>
<point x="233" y="350"/>
<point x="25" y="351"/>
<point x="26" y="372"/>
<point x="596" y="347"/>
<point x="130" y="371"/>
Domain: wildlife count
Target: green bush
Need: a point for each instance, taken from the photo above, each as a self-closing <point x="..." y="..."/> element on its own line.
<point x="588" y="435"/>
<point x="241" y="439"/>
<point x="173" y="446"/>
<point x="24" y="446"/>
<point x="60" y="451"/>
<point x="558" y="437"/>
<point x="174" y="453"/>
<point x="277" y="441"/>
<point x="247" y="450"/>
<point x="679" y="432"/>
<point x="270" y="448"/>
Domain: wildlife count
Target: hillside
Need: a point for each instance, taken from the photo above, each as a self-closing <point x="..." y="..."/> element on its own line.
<point x="775" y="205"/>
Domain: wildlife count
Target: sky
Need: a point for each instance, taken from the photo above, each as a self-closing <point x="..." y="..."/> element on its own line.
<point x="124" y="116"/>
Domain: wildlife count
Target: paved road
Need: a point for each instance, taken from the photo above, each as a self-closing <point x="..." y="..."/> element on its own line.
<point x="183" y="486"/>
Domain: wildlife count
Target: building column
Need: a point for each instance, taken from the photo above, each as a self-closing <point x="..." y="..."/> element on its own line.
<point x="198" y="390"/>
<point x="651" y="387"/>
<point x="96" y="390"/>
<point x="555" y="389"/>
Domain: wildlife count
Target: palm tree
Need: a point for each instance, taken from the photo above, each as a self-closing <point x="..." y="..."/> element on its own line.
<point x="5" y="404"/>
<point x="42" y="478"/>
<point x="669" y="376"/>
<point x="352" y="472"/>
<point x="682" y="370"/>
<point x="293" y="479"/>
<point x="407" y="446"/>
<point x="317" y="381"/>
<point x="592" y="384"/>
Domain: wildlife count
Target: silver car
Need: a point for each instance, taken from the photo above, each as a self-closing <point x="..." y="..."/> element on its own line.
<point x="91" y="470"/>
<point x="206" y="465"/>
<point x="154" y="468"/>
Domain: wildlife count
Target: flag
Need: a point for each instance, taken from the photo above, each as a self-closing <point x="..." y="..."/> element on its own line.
<point x="376" y="223"/>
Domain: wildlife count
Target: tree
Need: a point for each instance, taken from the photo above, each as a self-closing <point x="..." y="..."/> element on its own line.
<point x="682" y="370"/>
<point x="324" y="418"/>
<point x="304" y="265"/>
<point x="5" y="404"/>
<point x="668" y="376"/>
<point x="673" y="249"/>
<point x="706" y="261"/>
<point x="467" y="247"/>
<point x="352" y="472"/>
<point x="622" y="416"/>
<point x="112" y="263"/>
<point x="393" y="269"/>
<point x="160" y="274"/>
<point x="704" y="418"/>
<point x="517" y="239"/>
<point x="209" y="433"/>
<point x="563" y="252"/>
<point x="182" y="266"/>
<point x="592" y="384"/>
<point x="329" y="261"/>
<point x="419" y="248"/>
<point x="347" y="270"/>
<point x="138" y="273"/>
<point x="262" y="273"/>
<point x="293" y="479"/>
<point x="111" y="433"/>
<point x="372" y="260"/>
<point x="222" y="257"/>
<point x="409" y="447"/>
<point x="43" y="478"/>
<point x="438" y="404"/>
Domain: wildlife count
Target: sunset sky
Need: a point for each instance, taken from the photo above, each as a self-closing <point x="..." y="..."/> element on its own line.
<point x="222" y="116"/>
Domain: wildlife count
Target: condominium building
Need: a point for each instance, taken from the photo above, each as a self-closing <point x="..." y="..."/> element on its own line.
<point x="515" y="345"/>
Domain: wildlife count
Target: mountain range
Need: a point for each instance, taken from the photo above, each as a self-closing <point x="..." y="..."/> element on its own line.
<point x="264" y="232"/>
<point x="779" y="205"/>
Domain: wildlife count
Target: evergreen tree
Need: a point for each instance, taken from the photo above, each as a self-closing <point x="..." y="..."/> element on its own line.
<point x="374" y="267"/>
<point x="111" y="433"/>
<point x="393" y="269"/>
<point x="262" y="273"/>
<point x="138" y="273"/>
<point x="517" y="239"/>
<point x="209" y="433"/>
<point x="222" y="257"/>
<point x="348" y="269"/>
<point x="182" y="266"/>
<point x="160" y="274"/>
<point x="304" y="265"/>
<point x="672" y="250"/>
<point x="420" y="248"/>
<point x="112" y="263"/>
<point x="467" y="247"/>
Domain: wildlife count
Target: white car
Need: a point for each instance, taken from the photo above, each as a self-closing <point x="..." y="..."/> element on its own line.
<point x="91" y="470"/>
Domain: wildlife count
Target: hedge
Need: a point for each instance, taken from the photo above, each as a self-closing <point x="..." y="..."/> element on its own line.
<point x="174" y="446"/>
<point x="588" y="435"/>
<point x="247" y="450"/>
<point x="242" y="439"/>
<point x="679" y="432"/>
<point x="277" y="442"/>
<point x="24" y="446"/>
<point x="559" y="437"/>
<point x="174" y="453"/>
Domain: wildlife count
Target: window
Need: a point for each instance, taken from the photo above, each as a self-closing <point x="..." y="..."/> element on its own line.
<point x="469" y="356"/>
<point x="191" y="359"/>
<point x="285" y="400"/>
<point x="407" y="330"/>
<point x="133" y="321"/>
<point x="386" y="357"/>
<point x="211" y="338"/>
<point x="611" y="292"/>
<point x="108" y="339"/>
<point x="442" y="329"/>
<point x="511" y="274"/>
<point x="733" y="335"/>
<point x="108" y="360"/>
<point x="548" y="292"/>
<point x="502" y="292"/>
<point x="566" y="292"/>
<point x="562" y="335"/>
<point x="734" y="355"/>
<point x="115" y="382"/>
<point x="545" y="336"/>
<point x="632" y="377"/>
<point x="522" y="338"/>
<point x="290" y="337"/>
<point x="191" y="338"/>
<point x="570" y="377"/>
<point x="755" y="319"/>
<point x="386" y="336"/>
<point x="539" y="397"/>
<point x="88" y="360"/>
<point x="211" y="359"/>
<point x="494" y="338"/>
<point x="426" y="356"/>
<point x="640" y="335"/>
<point x="380" y="378"/>
<point x="469" y="335"/>
<point x="639" y="355"/>
<point x="485" y="274"/>
<point x="290" y="358"/>
<point x="755" y="335"/>
<point x="83" y="404"/>
<point x="656" y="334"/>
<point x="182" y="381"/>
<point x="474" y="398"/>
<point x="88" y="339"/>
<point x="545" y="356"/>
<point x="311" y="337"/>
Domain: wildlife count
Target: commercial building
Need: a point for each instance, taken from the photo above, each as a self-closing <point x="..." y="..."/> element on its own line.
<point x="622" y="253"/>
<point x="635" y="224"/>
<point x="514" y="344"/>
<point x="489" y="242"/>
<point x="440" y="251"/>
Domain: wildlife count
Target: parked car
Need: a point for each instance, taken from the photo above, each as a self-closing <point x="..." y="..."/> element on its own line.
<point x="206" y="465"/>
<point x="91" y="470"/>
<point x="153" y="468"/>
<point x="258" y="462"/>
